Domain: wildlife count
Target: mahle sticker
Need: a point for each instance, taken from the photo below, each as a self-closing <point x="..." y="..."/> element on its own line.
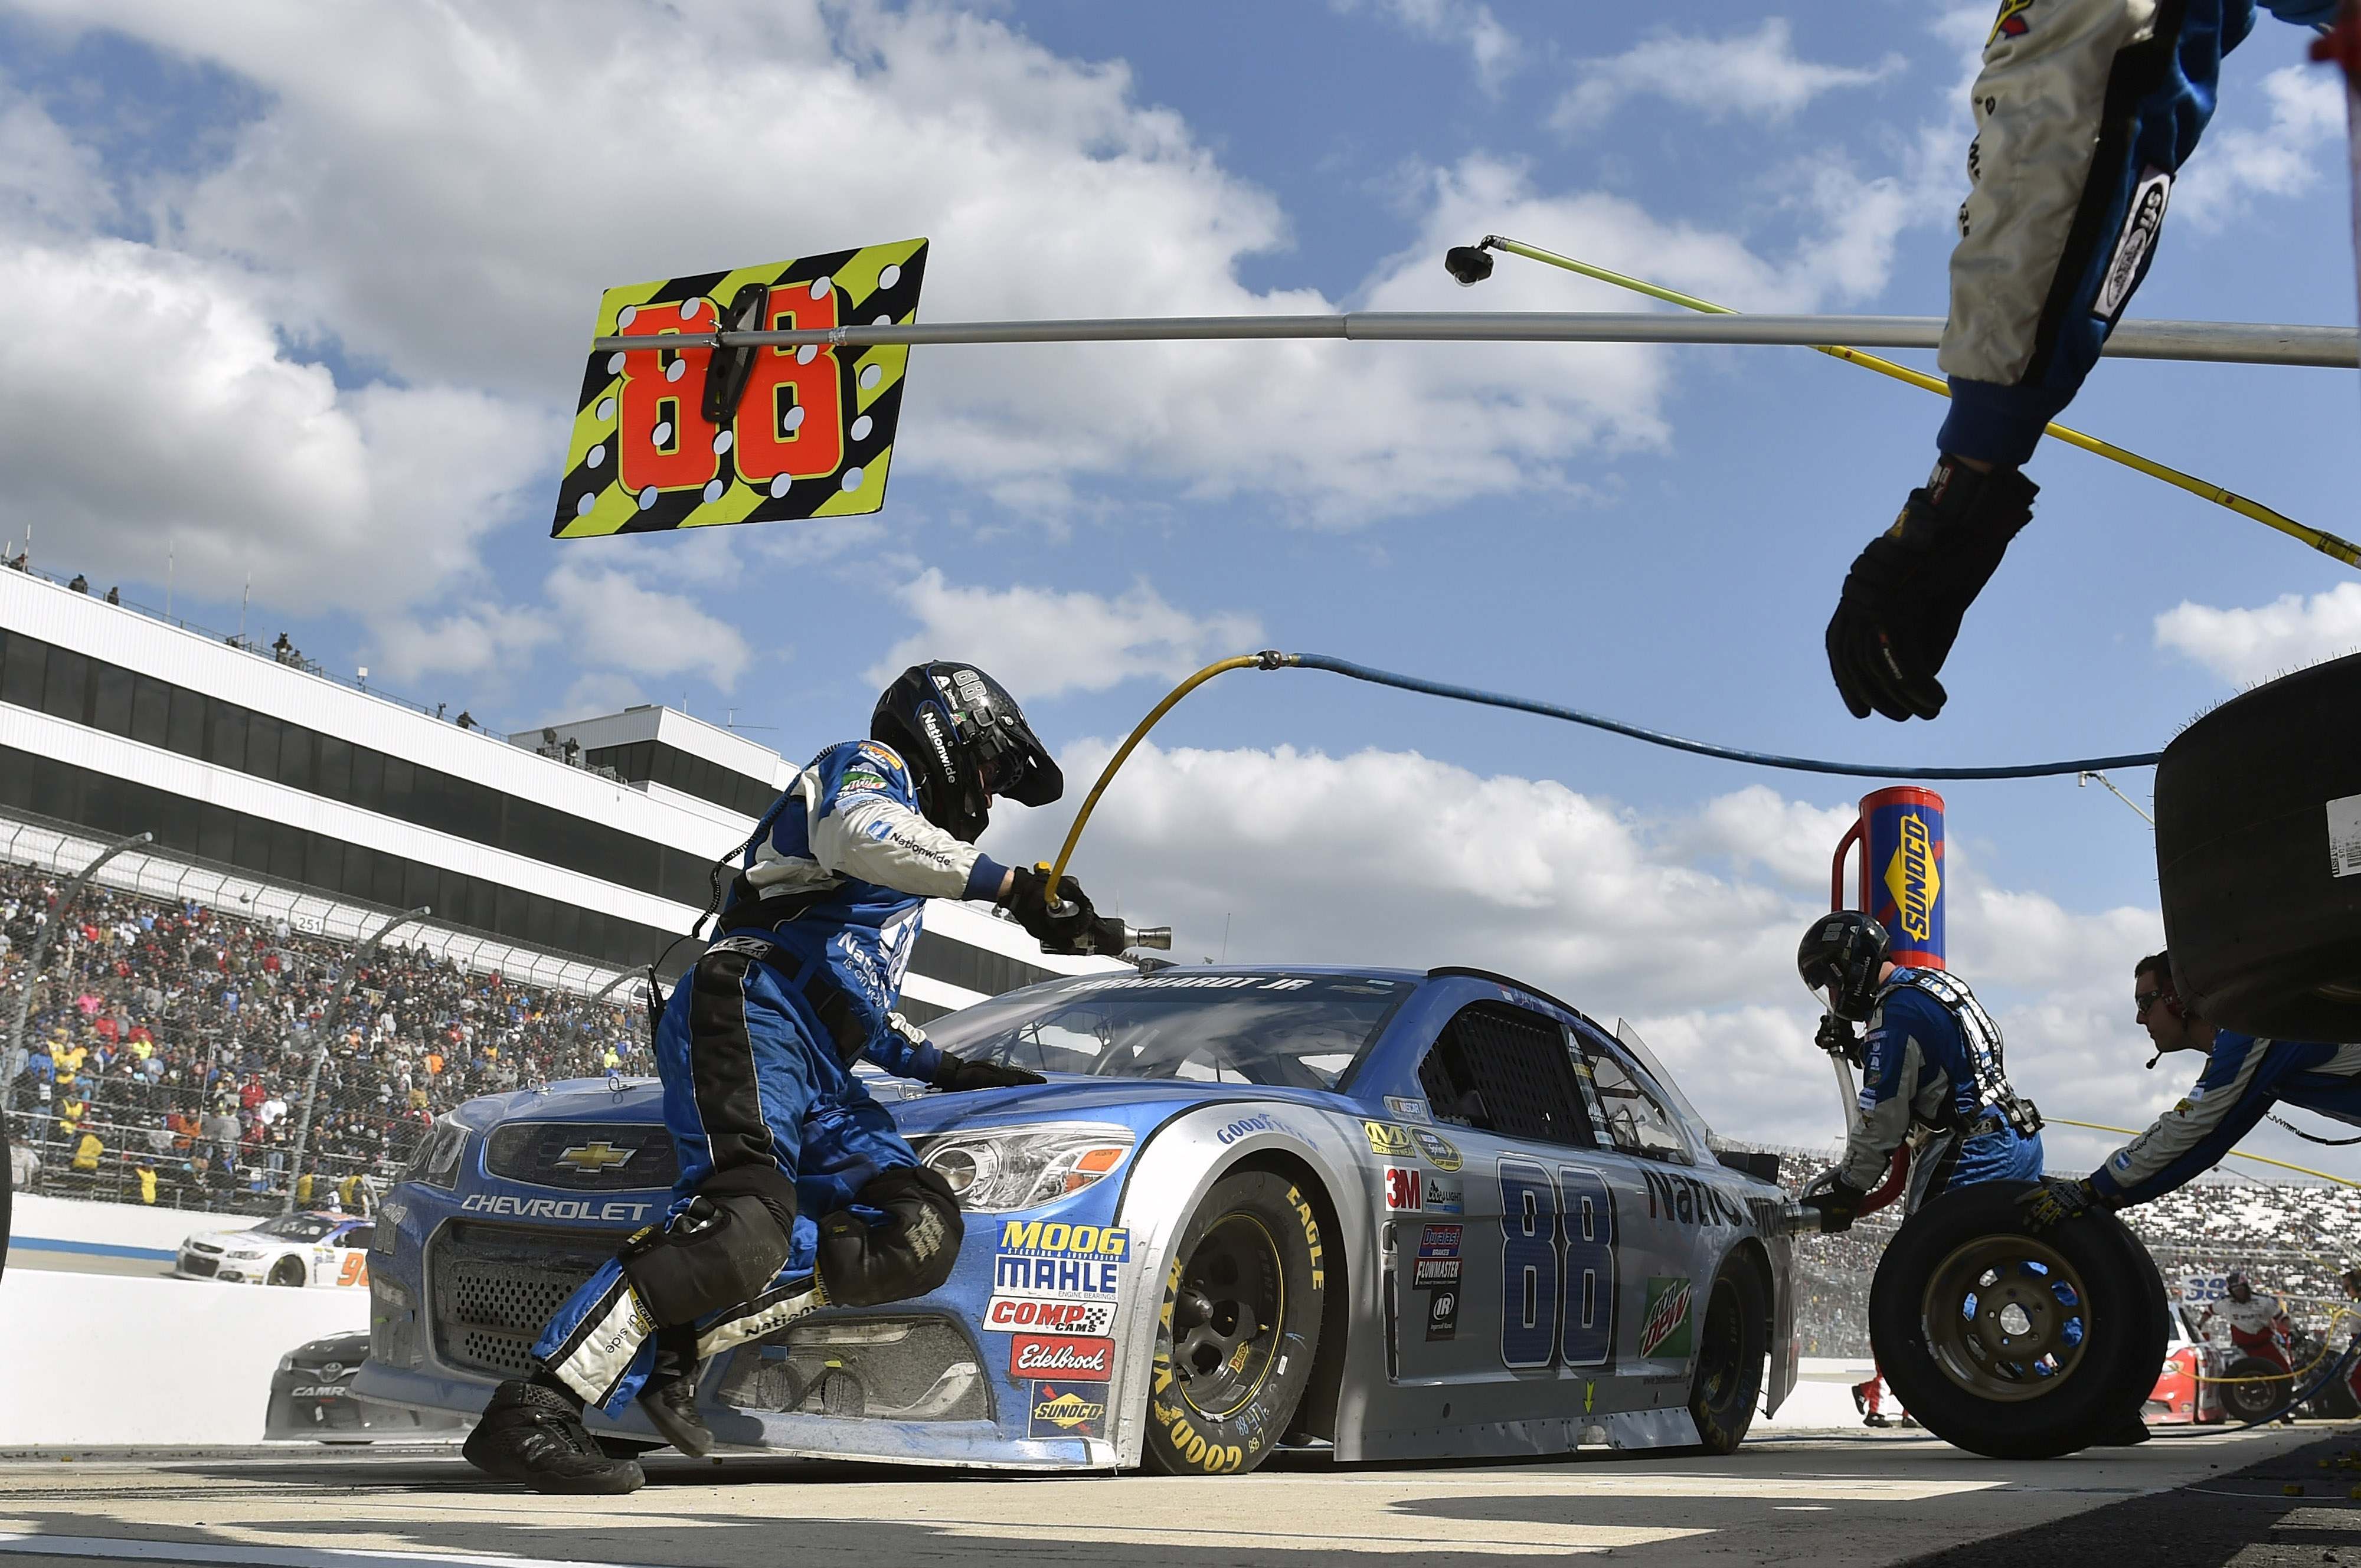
<point x="668" y="438"/>
<point x="1664" y="1329"/>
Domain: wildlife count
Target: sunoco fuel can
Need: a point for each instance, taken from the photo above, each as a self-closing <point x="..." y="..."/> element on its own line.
<point x="1902" y="864"/>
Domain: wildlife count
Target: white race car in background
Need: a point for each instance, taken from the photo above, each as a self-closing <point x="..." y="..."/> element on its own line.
<point x="293" y="1249"/>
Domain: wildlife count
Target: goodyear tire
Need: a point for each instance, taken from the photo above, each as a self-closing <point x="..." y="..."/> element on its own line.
<point x="2243" y="1400"/>
<point x="2013" y="1342"/>
<point x="288" y="1271"/>
<point x="1238" y="1329"/>
<point x="2262" y="910"/>
<point x="1733" y="1339"/>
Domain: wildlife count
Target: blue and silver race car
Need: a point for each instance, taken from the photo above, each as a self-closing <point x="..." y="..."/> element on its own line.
<point x="1398" y="1215"/>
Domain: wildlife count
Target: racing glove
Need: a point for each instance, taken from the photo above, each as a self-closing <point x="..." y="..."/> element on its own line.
<point x="1837" y="1204"/>
<point x="1838" y="1038"/>
<point x="1904" y="598"/>
<point x="2059" y="1199"/>
<point x="1069" y="927"/>
<point x="958" y="1075"/>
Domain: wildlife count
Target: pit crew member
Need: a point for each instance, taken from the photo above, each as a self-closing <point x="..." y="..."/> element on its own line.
<point x="2084" y="112"/>
<point x="2258" y="1319"/>
<point x="2243" y="1078"/>
<point x="756" y="1051"/>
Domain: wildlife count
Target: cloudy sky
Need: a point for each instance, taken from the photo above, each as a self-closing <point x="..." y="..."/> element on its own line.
<point x="301" y="295"/>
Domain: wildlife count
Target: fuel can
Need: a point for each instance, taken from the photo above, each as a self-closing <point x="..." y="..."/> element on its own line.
<point x="1900" y="831"/>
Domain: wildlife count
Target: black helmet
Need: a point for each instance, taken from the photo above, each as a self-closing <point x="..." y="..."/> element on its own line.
<point x="1841" y="955"/>
<point x="965" y="740"/>
<point x="2238" y="1288"/>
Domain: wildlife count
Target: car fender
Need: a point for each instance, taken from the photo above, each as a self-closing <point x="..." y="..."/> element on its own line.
<point x="1172" y="1174"/>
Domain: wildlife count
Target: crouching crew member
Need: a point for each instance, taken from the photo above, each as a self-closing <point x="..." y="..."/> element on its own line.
<point x="1931" y="1071"/>
<point x="756" y="1049"/>
<point x="2243" y="1078"/>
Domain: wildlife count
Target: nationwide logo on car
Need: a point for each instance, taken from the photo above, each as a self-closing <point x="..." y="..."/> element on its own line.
<point x="1664" y="1331"/>
<point x="1062" y="1411"/>
<point x="594" y="1157"/>
<point x="1071" y="1356"/>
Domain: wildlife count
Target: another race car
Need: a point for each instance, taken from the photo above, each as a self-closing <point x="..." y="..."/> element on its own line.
<point x="293" y="1249"/>
<point x="312" y="1397"/>
<point x="1400" y="1214"/>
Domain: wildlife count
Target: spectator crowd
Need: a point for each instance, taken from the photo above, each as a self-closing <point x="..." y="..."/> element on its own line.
<point x="167" y="1047"/>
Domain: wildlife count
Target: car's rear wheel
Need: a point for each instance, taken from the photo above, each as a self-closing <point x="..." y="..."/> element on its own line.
<point x="1238" y="1328"/>
<point x="2013" y="1342"/>
<point x="288" y="1271"/>
<point x="2256" y="1388"/>
<point x="1732" y="1342"/>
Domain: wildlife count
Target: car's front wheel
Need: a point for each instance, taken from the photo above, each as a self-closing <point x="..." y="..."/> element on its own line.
<point x="2255" y="1389"/>
<point x="1238" y="1328"/>
<point x="1731" y="1345"/>
<point x="287" y="1271"/>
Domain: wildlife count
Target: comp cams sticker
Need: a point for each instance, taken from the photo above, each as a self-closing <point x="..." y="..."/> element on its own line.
<point x="1057" y="1276"/>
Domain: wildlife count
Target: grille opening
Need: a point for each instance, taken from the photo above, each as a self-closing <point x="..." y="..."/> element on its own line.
<point x="881" y="1369"/>
<point x="496" y="1286"/>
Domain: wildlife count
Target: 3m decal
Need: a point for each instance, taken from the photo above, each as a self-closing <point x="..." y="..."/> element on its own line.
<point x="1388" y="1141"/>
<point x="1005" y="1314"/>
<point x="1409" y="1108"/>
<point x="1442" y="1315"/>
<point x="1402" y="1188"/>
<point x="1664" y="1332"/>
<point x="1445" y="1200"/>
<point x="812" y="431"/>
<point x="1073" y="1357"/>
<point x="1557" y="1267"/>
<point x="1061" y="1410"/>
<point x="1437" y="1148"/>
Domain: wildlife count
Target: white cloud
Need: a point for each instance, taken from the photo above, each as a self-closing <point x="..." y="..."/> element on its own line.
<point x="1758" y="75"/>
<point x="613" y="621"/>
<point x="2285" y="157"/>
<point x="1686" y="926"/>
<point x="1038" y="641"/>
<point x="473" y="638"/>
<point x="2243" y="646"/>
<point x="1494" y="51"/>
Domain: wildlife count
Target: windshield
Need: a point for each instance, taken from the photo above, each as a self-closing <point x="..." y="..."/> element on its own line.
<point x="296" y="1227"/>
<point x="1297" y="1031"/>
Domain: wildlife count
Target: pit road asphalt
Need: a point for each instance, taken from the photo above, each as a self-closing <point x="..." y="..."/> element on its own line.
<point x="2192" y="1499"/>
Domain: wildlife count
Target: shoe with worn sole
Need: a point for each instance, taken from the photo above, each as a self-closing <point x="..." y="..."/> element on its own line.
<point x="671" y="1405"/>
<point x="535" y="1435"/>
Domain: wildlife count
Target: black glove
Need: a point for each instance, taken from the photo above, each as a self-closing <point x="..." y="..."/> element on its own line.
<point x="1837" y="1038"/>
<point x="1063" y="929"/>
<point x="958" y="1075"/>
<point x="1903" y="601"/>
<point x="1838" y="1205"/>
<point x="2059" y="1199"/>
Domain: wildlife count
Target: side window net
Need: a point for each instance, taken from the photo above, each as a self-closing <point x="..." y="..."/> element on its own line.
<point x="1502" y="1070"/>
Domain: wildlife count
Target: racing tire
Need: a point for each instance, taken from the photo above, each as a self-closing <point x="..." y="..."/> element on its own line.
<point x="1238" y="1328"/>
<point x="289" y="1271"/>
<point x="2013" y="1342"/>
<point x="1733" y="1342"/>
<point x="2245" y="1401"/>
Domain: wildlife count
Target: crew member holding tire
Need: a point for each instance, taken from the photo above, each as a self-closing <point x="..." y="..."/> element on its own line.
<point x="756" y="1049"/>
<point x="2243" y="1078"/>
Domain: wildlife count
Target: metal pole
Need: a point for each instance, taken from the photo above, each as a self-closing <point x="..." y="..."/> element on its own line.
<point x="2246" y="342"/>
<point x="325" y="1032"/>
<point x="40" y="953"/>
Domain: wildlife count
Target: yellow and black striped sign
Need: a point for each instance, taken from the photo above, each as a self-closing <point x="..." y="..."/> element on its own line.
<point x="812" y="434"/>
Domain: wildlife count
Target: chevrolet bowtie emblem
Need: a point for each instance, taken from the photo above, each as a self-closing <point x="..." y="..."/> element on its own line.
<point x="595" y="1157"/>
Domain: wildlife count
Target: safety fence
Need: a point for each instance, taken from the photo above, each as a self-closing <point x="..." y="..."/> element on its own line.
<point x="201" y="1036"/>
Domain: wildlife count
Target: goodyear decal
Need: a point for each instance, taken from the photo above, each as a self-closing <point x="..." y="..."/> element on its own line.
<point x="1915" y="880"/>
<point x="1246" y="1126"/>
<point x="1664" y="1328"/>
<point x="1440" y="1150"/>
<point x="554" y="1208"/>
<point x="1389" y="1141"/>
<point x="811" y="433"/>
<point x="1064" y="1409"/>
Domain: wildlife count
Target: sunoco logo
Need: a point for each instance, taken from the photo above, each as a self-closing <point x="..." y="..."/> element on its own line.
<point x="1914" y="879"/>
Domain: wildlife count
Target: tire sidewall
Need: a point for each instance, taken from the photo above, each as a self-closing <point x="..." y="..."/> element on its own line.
<point x="279" y="1270"/>
<point x="1721" y="1428"/>
<point x="1181" y="1440"/>
<point x="2125" y="1314"/>
<point x="2274" y="1394"/>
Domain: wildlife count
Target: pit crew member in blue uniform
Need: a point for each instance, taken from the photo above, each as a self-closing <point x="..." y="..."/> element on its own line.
<point x="756" y="1049"/>
<point x="2243" y="1078"/>
<point x="2085" y="110"/>
<point x="1930" y="1066"/>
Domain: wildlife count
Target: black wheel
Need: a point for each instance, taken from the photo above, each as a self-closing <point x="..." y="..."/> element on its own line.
<point x="2264" y="938"/>
<point x="1239" y="1328"/>
<point x="289" y="1271"/>
<point x="1731" y="1346"/>
<point x="2257" y="1389"/>
<point x="2012" y="1342"/>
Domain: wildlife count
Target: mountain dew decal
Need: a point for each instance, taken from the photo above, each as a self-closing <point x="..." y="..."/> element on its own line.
<point x="1664" y="1328"/>
<point x="668" y="438"/>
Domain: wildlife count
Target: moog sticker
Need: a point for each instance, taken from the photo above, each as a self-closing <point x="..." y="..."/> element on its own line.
<point x="1080" y="1263"/>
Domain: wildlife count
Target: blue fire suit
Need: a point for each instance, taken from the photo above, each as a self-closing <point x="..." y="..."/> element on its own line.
<point x="2085" y="111"/>
<point x="1917" y="1071"/>
<point x="756" y="1047"/>
<point x="2243" y="1077"/>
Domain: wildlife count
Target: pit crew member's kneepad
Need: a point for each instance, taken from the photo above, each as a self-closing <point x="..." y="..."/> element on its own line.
<point x="909" y="1254"/>
<point x="716" y="1252"/>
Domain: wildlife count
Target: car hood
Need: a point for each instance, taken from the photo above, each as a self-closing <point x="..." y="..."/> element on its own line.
<point x="234" y="1238"/>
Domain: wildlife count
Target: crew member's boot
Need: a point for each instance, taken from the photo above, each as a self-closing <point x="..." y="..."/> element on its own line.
<point x="670" y="1396"/>
<point x="533" y="1432"/>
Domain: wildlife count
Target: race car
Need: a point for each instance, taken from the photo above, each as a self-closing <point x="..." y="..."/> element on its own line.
<point x="1390" y="1214"/>
<point x="312" y="1397"/>
<point x="293" y="1249"/>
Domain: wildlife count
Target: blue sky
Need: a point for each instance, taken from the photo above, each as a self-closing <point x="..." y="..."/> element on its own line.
<point x="303" y="292"/>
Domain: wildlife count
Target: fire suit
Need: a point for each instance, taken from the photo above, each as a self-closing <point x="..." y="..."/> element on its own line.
<point x="1918" y="1073"/>
<point x="756" y="1048"/>
<point x="2256" y="1323"/>
<point x="2085" y="111"/>
<point x="2243" y="1077"/>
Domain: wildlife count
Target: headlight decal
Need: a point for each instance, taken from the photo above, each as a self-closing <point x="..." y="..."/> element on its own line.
<point x="996" y="1170"/>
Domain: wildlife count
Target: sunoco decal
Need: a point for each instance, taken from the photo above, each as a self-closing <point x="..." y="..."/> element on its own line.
<point x="1005" y="1314"/>
<point x="554" y="1208"/>
<point x="1061" y="1410"/>
<point x="1071" y="1356"/>
<point x="1664" y="1331"/>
